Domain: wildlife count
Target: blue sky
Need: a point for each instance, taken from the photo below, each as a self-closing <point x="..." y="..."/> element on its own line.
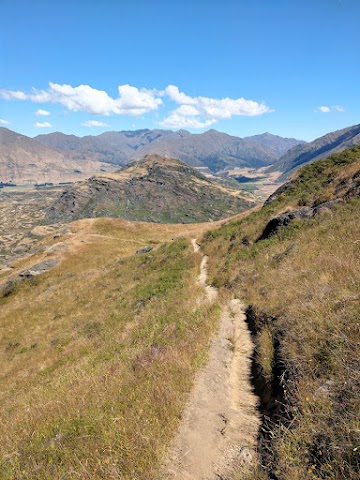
<point x="288" y="67"/>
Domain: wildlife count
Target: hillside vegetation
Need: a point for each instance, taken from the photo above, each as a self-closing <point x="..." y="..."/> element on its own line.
<point x="302" y="284"/>
<point x="104" y="325"/>
<point x="97" y="354"/>
<point x="155" y="189"/>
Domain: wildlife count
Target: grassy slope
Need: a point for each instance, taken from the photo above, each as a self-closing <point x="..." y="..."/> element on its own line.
<point x="303" y="288"/>
<point x="97" y="355"/>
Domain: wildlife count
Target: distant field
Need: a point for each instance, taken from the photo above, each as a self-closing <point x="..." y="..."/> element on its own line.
<point x="258" y="181"/>
<point x="21" y="208"/>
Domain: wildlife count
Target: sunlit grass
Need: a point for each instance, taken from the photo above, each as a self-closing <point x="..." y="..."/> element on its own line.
<point x="98" y="355"/>
<point x="304" y="284"/>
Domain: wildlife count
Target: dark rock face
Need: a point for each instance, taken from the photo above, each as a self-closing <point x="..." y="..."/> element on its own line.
<point x="283" y="189"/>
<point x="144" y="250"/>
<point x="10" y="286"/>
<point x="39" y="268"/>
<point x="304" y="213"/>
<point x="330" y="205"/>
<point x="283" y="220"/>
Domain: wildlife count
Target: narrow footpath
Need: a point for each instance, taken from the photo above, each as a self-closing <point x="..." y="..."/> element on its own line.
<point x="220" y="422"/>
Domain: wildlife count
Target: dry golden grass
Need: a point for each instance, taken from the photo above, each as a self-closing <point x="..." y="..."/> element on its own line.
<point x="97" y="355"/>
<point x="304" y="288"/>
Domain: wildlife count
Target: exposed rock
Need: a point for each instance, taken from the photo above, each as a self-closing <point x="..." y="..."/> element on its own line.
<point x="5" y="268"/>
<point x="284" y="219"/>
<point x="8" y="287"/>
<point x="144" y="250"/>
<point x="304" y="213"/>
<point x="42" y="230"/>
<point x="330" y="205"/>
<point x="281" y="190"/>
<point x="39" y="268"/>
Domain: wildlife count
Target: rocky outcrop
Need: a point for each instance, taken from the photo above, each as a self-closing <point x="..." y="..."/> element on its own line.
<point x="283" y="220"/>
<point x="146" y="249"/>
<point x="156" y="189"/>
<point x="305" y="213"/>
<point x="39" y="268"/>
<point x="11" y="284"/>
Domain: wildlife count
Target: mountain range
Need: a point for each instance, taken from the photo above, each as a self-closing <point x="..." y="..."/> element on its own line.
<point x="57" y="157"/>
<point x="212" y="149"/>
<point x="24" y="160"/>
<point x="322" y="147"/>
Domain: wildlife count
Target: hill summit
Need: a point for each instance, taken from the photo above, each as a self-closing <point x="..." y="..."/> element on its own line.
<point x="155" y="189"/>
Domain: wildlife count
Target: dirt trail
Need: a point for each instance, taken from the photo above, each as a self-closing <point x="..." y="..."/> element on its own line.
<point x="220" y="422"/>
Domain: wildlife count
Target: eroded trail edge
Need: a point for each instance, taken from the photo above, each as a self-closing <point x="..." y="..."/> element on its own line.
<point x="220" y="423"/>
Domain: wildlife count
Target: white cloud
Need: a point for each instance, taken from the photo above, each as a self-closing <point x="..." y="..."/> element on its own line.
<point x="131" y="100"/>
<point x="186" y="116"/>
<point x="42" y="124"/>
<point x="192" y="112"/>
<point x="173" y="92"/>
<point x="207" y="110"/>
<point x="3" y="122"/>
<point x="12" y="95"/>
<point x="176" y="120"/>
<point x="42" y="113"/>
<point x="94" y="123"/>
<point x="334" y="108"/>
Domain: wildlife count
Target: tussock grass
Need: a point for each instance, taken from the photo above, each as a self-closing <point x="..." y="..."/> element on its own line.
<point x="97" y="356"/>
<point x="304" y="288"/>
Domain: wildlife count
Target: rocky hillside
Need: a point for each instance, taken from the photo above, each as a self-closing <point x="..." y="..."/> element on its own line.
<point x="322" y="147"/>
<point x="155" y="189"/>
<point x="295" y="262"/>
<point x="211" y="149"/>
<point x="23" y="159"/>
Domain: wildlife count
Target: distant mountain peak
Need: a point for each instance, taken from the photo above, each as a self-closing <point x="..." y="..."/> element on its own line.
<point x="183" y="133"/>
